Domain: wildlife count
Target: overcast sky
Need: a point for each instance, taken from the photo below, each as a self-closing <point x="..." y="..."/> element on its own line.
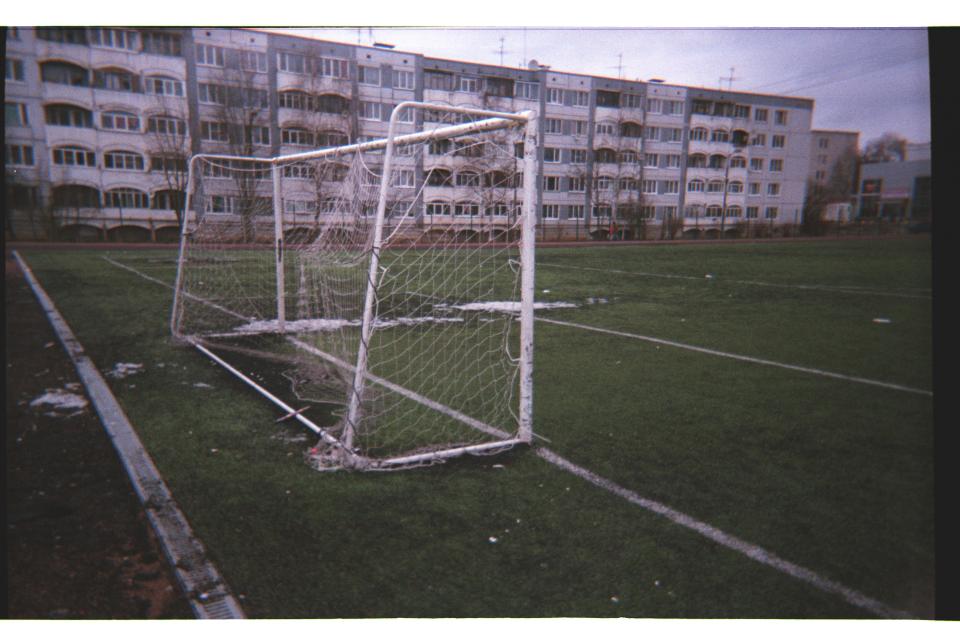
<point x="872" y="80"/>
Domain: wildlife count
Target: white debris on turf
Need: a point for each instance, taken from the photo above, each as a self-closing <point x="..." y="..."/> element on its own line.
<point x="124" y="369"/>
<point x="200" y="384"/>
<point x="511" y="307"/>
<point x="58" y="402"/>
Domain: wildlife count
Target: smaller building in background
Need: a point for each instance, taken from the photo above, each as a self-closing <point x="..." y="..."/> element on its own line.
<point x="895" y="190"/>
<point x="830" y="149"/>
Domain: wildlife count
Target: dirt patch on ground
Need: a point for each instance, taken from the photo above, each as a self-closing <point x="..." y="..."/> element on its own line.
<point x="78" y="543"/>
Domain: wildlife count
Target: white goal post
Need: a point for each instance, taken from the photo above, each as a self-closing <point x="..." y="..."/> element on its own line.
<point x="387" y="284"/>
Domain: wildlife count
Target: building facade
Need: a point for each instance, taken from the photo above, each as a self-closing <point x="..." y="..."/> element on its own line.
<point x="100" y="122"/>
<point x="895" y="191"/>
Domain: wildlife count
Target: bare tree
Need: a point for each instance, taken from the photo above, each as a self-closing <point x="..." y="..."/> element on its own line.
<point x="169" y="150"/>
<point x="887" y="147"/>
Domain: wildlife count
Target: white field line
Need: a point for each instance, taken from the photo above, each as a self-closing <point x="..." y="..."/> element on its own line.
<point x="720" y="537"/>
<point x="712" y="533"/>
<point x="742" y="358"/>
<point x="805" y="287"/>
<point x="205" y="589"/>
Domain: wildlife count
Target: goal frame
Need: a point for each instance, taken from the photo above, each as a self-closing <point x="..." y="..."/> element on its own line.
<point x="491" y="120"/>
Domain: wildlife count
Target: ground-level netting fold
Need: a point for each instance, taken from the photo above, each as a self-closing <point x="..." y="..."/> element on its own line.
<point x="389" y="282"/>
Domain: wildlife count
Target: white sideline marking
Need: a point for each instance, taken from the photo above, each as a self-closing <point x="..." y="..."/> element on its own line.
<point x="205" y="589"/>
<point x="742" y="358"/>
<point x="720" y="537"/>
<point x="805" y="287"/>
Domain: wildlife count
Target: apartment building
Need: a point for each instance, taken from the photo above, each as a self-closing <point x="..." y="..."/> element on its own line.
<point x="100" y="121"/>
<point x="827" y="148"/>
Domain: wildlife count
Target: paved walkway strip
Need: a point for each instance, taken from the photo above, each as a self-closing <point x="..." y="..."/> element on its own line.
<point x="205" y="589"/>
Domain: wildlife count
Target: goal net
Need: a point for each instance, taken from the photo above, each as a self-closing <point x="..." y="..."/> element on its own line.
<point x="386" y="285"/>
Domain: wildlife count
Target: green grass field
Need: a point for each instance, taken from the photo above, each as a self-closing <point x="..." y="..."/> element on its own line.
<point x="827" y="472"/>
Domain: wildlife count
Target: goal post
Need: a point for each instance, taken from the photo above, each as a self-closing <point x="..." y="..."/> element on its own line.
<point x="388" y="284"/>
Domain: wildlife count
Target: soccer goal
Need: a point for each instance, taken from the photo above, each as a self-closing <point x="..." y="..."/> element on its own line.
<point x="387" y="284"/>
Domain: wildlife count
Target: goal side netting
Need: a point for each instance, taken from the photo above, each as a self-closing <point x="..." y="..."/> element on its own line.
<point x="385" y="287"/>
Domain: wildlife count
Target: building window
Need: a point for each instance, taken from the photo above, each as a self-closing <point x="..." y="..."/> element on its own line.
<point x="651" y="160"/>
<point x="127" y="197"/>
<point x="714" y="211"/>
<point x="672" y="135"/>
<point x="578" y="157"/>
<point x="628" y="184"/>
<point x="552" y="183"/>
<point x="526" y="90"/>
<point x="578" y="184"/>
<point x="628" y="100"/>
<point x="760" y="114"/>
<point x="15" y="114"/>
<point x="551" y="155"/>
<point x="368" y="75"/>
<point x="14" y="69"/>
<point x="370" y="110"/>
<point x="553" y="126"/>
<point x="162" y="85"/>
<point x="296" y="100"/>
<point x="778" y="141"/>
<point x="752" y="211"/>
<point x="741" y="112"/>
<point x="550" y="212"/>
<point x="64" y="73"/>
<point x="649" y="187"/>
<point x="555" y="96"/>
<point x="209" y="55"/>
<point x="118" y="120"/>
<point x="66" y="115"/>
<point x="773" y="189"/>
<point x="651" y="133"/>
<point x="64" y="35"/>
<point x="115" y="38"/>
<point x="168" y="164"/>
<point x="160" y="124"/>
<point x="257" y="135"/>
<point x="580" y="98"/>
<point x="605" y="128"/>
<point x="162" y="43"/>
<point x="771" y="212"/>
<point x="758" y="140"/>
<point x="296" y="137"/>
<point x="720" y="136"/>
<point x="776" y="165"/>
<point x="735" y="187"/>
<point x="291" y="63"/>
<point x="253" y="61"/>
<point x="19" y="155"/>
<point x="714" y="187"/>
<point x="435" y="80"/>
<point x="823" y="143"/>
<point x="437" y="209"/>
<point x="696" y="185"/>
<point x="738" y="162"/>
<point x="699" y="134"/>
<point x="116" y="79"/>
<point x="629" y="157"/>
<point x="753" y="189"/>
<point x="404" y="79"/>
<point x="780" y="117"/>
<point x="674" y="107"/>
<point x="734" y="211"/>
<point x="468" y="179"/>
<point x="756" y="164"/>
<point x="120" y="160"/>
<point x="602" y="211"/>
<point x="22" y="196"/>
<point x="212" y="94"/>
<point x="466" y="209"/>
<point x="575" y="211"/>
<point x="214" y="131"/>
<point x="602" y="183"/>
<point x="404" y="178"/>
<point x="468" y="85"/>
<point x="655" y="106"/>
<point x="332" y="67"/>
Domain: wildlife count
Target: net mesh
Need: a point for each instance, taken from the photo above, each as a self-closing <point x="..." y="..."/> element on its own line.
<point x="442" y="346"/>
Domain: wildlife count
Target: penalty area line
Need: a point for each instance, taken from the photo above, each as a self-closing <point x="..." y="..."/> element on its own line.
<point x="205" y="588"/>
<point x="742" y="358"/>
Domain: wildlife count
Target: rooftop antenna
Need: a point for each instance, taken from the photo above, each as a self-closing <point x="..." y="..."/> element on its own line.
<point x="729" y="80"/>
<point x="501" y="50"/>
<point x="524" y="47"/>
<point x="619" y="66"/>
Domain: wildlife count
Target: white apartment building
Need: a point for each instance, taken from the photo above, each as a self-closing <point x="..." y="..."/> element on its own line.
<point x="99" y="123"/>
